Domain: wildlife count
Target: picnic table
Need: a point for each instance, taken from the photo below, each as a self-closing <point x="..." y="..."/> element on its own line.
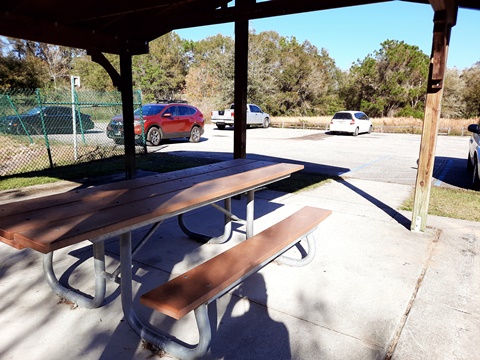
<point x="53" y="222"/>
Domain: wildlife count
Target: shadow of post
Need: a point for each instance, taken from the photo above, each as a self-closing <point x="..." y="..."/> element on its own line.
<point x="394" y="214"/>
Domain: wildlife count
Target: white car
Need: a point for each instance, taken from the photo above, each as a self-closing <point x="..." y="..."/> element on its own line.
<point x="473" y="155"/>
<point x="353" y="122"/>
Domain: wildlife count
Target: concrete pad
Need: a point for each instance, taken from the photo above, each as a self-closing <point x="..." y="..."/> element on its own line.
<point x="444" y="322"/>
<point x="374" y="289"/>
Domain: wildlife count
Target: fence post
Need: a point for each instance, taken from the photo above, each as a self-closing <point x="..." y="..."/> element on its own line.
<point x="140" y="104"/>
<point x="74" y="123"/>
<point x="47" y="144"/>
<point x="21" y="121"/>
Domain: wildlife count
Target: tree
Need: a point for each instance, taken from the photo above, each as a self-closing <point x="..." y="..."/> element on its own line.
<point x="390" y="82"/>
<point x="471" y="96"/>
<point x="209" y="82"/>
<point x="56" y="60"/>
<point x="289" y="77"/>
<point x="453" y="104"/>
<point x="22" y="74"/>
<point x="160" y="74"/>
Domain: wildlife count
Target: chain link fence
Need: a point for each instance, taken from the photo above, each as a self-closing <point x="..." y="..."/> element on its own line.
<point x="42" y="129"/>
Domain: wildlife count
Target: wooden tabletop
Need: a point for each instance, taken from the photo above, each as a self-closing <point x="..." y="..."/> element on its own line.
<point x="52" y="222"/>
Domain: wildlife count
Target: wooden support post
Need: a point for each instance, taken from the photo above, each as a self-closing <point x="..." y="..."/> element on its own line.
<point x="240" y="95"/>
<point x="438" y="60"/>
<point x="241" y="80"/>
<point x="127" y="111"/>
<point x="100" y="59"/>
<point x="124" y="84"/>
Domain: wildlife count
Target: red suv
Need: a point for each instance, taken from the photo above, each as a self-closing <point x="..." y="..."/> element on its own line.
<point x="161" y="121"/>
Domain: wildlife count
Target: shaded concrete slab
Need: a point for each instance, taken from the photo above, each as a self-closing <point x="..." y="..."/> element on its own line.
<point x="373" y="287"/>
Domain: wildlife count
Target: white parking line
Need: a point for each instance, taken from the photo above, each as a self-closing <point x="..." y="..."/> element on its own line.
<point x="444" y="173"/>
<point x="365" y="165"/>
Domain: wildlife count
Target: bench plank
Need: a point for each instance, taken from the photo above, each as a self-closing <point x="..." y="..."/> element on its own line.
<point x="69" y="224"/>
<point x="117" y="189"/>
<point x="197" y="286"/>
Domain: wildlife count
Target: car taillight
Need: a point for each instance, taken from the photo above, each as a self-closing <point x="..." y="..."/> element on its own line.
<point x="352" y="122"/>
<point x="331" y="122"/>
<point x="233" y="113"/>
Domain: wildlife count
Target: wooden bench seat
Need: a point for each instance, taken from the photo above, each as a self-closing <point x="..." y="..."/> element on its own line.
<point x="211" y="279"/>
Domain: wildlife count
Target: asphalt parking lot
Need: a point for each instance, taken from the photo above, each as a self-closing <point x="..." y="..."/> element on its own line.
<point x="377" y="156"/>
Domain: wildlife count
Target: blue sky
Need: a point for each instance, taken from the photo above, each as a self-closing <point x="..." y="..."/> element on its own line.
<point x="352" y="33"/>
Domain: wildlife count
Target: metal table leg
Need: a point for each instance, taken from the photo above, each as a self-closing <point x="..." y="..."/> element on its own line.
<point x="250" y="212"/>
<point x="146" y="331"/>
<point x="229" y="217"/>
<point x="70" y="294"/>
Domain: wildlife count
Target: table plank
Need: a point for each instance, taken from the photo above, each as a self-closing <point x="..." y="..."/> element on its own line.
<point x="48" y="234"/>
<point x="103" y="198"/>
<point x="43" y="203"/>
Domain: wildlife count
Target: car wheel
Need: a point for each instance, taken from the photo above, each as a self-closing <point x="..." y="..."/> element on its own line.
<point x="355" y="133"/>
<point x="221" y="126"/>
<point x="266" y="123"/>
<point x="370" y="129"/>
<point x="195" y="134"/>
<point x="469" y="163"/>
<point x="154" y="136"/>
<point x="475" y="179"/>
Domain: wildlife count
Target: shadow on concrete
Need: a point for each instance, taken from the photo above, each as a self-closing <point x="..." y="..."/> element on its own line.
<point x="402" y="220"/>
<point x="451" y="171"/>
<point x="330" y="171"/>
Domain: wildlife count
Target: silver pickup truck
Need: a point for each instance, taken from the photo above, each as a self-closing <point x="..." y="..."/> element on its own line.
<point x="255" y="116"/>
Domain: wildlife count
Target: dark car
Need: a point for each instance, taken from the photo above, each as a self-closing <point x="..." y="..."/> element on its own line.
<point x="54" y="119"/>
<point x="157" y="122"/>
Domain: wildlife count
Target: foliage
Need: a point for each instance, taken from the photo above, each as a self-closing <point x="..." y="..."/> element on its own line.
<point x="23" y="74"/>
<point x="471" y="77"/>
<point x="391" y="79"/>
<point x="306" y="78"/>
<point x="50" y="63"/>
<point x="453" y="104"/>
<point x="93" y="75"/>
<point x="285" y="77"/>
<point x="160" y="74"/>
<point x="209" y="82"/>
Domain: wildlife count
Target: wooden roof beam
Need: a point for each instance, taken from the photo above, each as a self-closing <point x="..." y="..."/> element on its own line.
<point x="449" y="6"/>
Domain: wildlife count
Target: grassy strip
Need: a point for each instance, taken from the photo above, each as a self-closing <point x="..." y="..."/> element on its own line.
<point x="160" y="163"/>
<point x="98" y="168"/>
<point x="452" y="203"/>
<point x="300" y="181"/>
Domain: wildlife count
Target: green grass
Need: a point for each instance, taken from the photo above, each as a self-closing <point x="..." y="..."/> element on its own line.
<point x="300" y="181"/>
<point x="452" y="203"/>
<point x="98" y="168"/>
<point x="152" y="162"/>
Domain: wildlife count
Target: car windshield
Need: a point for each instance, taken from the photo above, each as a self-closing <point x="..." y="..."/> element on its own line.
<point x="148" y="110"/>
<point x="33" y="111"/>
